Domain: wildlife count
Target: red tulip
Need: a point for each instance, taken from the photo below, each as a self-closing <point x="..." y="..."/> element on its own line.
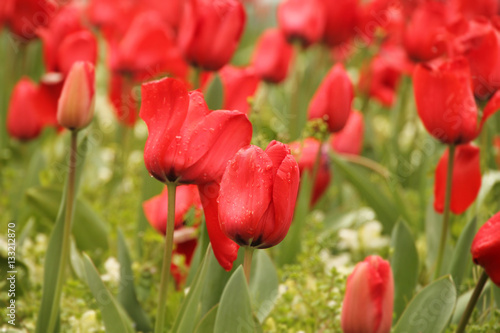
<point x="210" y="32"/>
<point x="239" y="85"/>
<point x="112" y="17"/>
<point x="170" y="11"/>
<point x="425" y="34"/>
<point x="306" y="153"/>
<point x="124" y="100"/>
<point x="24" y="17"/>
<point x="257" y="195"/>
<point x="472" y="8"/>
<point x="23" y="121"/>
<point x="272" y="56"/>
<point x="368" y="300"/>
<point x="75" y="108"/>
<point x="186" y="141"/>
<point x="486" y="246"/>
<point x="466" y="179"/>
<point x="479" y="41"/>
<point x="332" y="101"/>
<point x="302" y="20"/>
<point x="156" y="208"/>
<point x="49" y="90"/>
<point x="66" y="41"/>
<point x="378" y="16"/>
<point x="350" y="139"/>
<point x="445" y="103"/>
<point x="340" y="21"/>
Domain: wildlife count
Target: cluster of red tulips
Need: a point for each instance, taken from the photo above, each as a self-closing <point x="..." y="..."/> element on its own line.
<point x="216" y="162"/>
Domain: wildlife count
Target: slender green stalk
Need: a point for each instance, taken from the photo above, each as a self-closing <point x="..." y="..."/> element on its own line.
<point x="70" y="202"/>
<point x="294" y="115"/>
<point x="247" y="262"/>
<point x="167" y="259"/>
<point x="196" y="77"/>
<point x="446" y="212"/>
<point x="472" y="302"/>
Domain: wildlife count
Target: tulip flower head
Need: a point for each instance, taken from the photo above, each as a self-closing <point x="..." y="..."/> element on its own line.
<point x="486" y="247"/>
<point x="302" y="20"/>
<point x="76" y="104"/>
<point x="368" y="301"/>
<point x="257" y="195"/>
<point x="23" y="121"/>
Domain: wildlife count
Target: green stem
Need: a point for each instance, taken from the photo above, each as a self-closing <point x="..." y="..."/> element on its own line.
<point x="446" y="213"/>
<point x="196" y="77"/>
<point x="247" y="262"/>
<point x="167" y="259"/>
<point x="70" y="202"/>
<point x="472" y="302"/>
<point x="293" y="121"/>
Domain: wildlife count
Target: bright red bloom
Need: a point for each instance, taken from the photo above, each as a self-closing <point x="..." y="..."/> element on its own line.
<point x="473" y="8"/>
<point x="186" y="140"/>
<point x="257" y="195"/>
<point x="479" y="41"/>
<point x="49" y="91"/>
<point x="210" y="32"/>
<point x="350" y="139"/>
<point x="112" y="17"/>
<point x="302" y="20"/>
<point x="23" y="121"/>
<point x="66" y="40"/>
<point x="486" y="246"/>
<point x="332" y="101"/>
<point x="445" y="102"/>
<point x="239" y="85"/>
<point x="306" y="153"/>
<point x="425" y="35"/>
<point x="156" y="208"/>
<point x="368" y="300"/>
<point x="24" y="17"/>
<point x="340" y="21"/>
<point x="123" y="98"/>
<point x="272" y="56"/>
<point x="378" y="16"/>
<point x="466" y="179"/>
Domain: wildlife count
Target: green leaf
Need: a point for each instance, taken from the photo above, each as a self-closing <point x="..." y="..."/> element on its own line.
<point x="214" y="95"/>
<point x="207" y="323"/>
<point x="89" y="229"/>
<point x="291" y="246"/>
<point x="113" y="315"/>
<point x="264" y="285"/>
<point x="489" y="180"/>
<point x="404" y="264"/>
<point x="433" y="228"/>
<point x="430" y="310"/>
<point x="462" y="302"/>
<point x="126" y="291"/>
<point x="53" y="254"/>
<point x="387" y="212"/>
<point x="462" y="257"/>
<point x="199" y="253"/>
<point x="235" y="308"/>
<point x="496" y="295"/>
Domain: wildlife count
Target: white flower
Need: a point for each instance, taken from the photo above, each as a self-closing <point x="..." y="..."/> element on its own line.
<point x="112" y="267"/>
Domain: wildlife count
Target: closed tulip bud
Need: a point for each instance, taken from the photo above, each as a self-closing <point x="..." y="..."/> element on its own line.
<point x="302" y="20"/>
<point x="75" y="108"/>
<point x="368" y="301"/>
<point x="333" y="99"/>
<point x="257" y="195"/>
<point x="23" y="120"/>
<point x="272" y="56"/>
<point x="486" y="247"/>
<point x="210" y="32"/>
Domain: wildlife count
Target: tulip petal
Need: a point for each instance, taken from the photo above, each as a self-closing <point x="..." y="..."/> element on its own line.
<point x="225" y="250"/>
<point x="277" y="152"/>
<point x="213" y="142"/>
<point x="486" y="246"/>
<point x="466" y="180"/>
<point x="245" y="193"/>
<point x="490" y="109"/>
<point x="350" y="139"/>
<point x="79" y="46"/>
<point x="23" y="122"/>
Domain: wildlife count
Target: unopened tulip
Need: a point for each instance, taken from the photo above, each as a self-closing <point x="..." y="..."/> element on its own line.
<point x="23" y="121"/>
<point x="272" y="56"/>
<point x="350" y="139"/>
<point x="486" y="247"/>
<point x="302" y="20"/>
<point x="306" y="154"/>
<point x="466" y="179"/>
<point x="75" y="108"/>
<point x="186" y="141"/>
<point x="257" y="195"/>
<point x="333" y="99"/>
<point x="239" y="85"/>
<point x="210" y="31"/>
<point x="340" y="23"/>
<point x="368" y="300"/>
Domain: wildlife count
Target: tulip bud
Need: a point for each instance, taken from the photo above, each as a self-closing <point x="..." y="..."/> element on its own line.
<point x="332" y="101"/>
<point x="368" y="300"/>
<point x="486" y="247"/>
<point x="75" y="108"/>
<point x="23" y="121"/>
<point x="257" y="195"/>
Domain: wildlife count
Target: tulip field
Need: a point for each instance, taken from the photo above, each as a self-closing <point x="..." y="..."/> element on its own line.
<point x="237" y="166"/>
